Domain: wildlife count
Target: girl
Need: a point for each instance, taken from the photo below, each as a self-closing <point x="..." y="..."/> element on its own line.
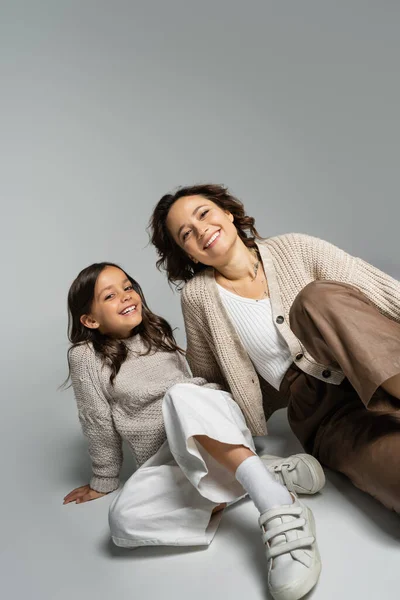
<point x="290" y="320"/>
<point x="131" y="381"/>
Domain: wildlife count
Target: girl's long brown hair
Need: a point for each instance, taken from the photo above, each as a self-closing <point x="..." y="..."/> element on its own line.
<point x="172" y="259"/>
<point x="155" y="331"/>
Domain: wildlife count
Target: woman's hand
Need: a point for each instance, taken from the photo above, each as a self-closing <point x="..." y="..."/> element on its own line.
<point x="82" y="494"/>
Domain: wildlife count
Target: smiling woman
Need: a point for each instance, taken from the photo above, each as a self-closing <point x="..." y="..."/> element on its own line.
<point x="209" y="210"/>
<point x="289" y="321"/>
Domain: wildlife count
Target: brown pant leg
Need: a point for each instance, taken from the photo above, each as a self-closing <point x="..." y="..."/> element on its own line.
<point x="365" y="446"/>
<point x="339" y="326"/>
<point x="333" y="424"/>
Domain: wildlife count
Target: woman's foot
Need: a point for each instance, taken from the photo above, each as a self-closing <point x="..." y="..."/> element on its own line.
<point x="300" y="473"/>
<point x="294" y="563"/>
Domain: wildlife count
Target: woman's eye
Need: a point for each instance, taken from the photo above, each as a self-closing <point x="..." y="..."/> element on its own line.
<point x="129" y="287"/>
<point x="203" y="214"/>
<point x="185" y="235"/>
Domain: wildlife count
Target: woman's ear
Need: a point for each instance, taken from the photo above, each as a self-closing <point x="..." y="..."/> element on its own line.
<point x="89" y="322"/>
<point x="193" y="259"/>
<point x="230" y="216"/>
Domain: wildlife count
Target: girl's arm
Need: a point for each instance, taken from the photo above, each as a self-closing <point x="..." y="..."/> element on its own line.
<point x="105" y="444"/>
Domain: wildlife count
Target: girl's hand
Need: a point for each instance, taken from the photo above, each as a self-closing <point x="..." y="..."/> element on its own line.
<point x="82" y="494"/>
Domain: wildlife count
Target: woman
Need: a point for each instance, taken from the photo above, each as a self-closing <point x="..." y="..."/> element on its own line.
<point x="290" y="320"/>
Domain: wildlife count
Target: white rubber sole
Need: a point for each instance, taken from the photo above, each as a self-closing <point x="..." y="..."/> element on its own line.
<point x="317" y="472"/>
<point x="315" y="469"/>
<point x="298" y="589"/>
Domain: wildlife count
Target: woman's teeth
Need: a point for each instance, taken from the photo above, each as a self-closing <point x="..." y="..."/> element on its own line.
<point x="210" y="241"/>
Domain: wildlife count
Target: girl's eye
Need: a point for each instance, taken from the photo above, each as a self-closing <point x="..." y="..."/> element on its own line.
<point x="109" y="296"/>
<point x="185" y="235"/>
<point x="203" y="214"/>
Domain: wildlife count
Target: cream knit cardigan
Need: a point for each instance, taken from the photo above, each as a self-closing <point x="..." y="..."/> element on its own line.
<point x="291" y="261"/>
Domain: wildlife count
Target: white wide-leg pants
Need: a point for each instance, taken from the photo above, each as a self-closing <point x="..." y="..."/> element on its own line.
<point x="169" y="500"/>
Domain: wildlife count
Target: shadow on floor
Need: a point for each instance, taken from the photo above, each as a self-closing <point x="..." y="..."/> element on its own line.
<point x="374" y="513"/>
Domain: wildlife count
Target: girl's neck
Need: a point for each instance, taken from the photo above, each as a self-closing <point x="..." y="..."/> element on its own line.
<point x="239" y="264"/>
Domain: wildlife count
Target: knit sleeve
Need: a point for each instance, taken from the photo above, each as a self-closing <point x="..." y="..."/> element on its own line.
<point x="329" y="262"/>
<point x="104" y="442"/>
<point x="382" y="289"/>
<point x="199" y="353"/>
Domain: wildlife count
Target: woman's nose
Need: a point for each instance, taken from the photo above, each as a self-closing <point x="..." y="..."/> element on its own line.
<point x="202" y="232"/>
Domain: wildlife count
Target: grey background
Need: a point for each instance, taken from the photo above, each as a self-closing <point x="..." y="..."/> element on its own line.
<point x="105" y="106"/>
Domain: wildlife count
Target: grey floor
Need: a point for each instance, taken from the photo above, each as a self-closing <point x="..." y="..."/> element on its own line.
<point x="51" y="551"/>
<point x="104" y="107"/>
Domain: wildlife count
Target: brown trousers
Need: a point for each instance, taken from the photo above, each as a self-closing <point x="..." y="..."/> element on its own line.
<point x="353" y="427"/>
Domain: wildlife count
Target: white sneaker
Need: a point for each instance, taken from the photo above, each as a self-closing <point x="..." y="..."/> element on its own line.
<point x="300" y="473"/>
<point x="294" y="563"/>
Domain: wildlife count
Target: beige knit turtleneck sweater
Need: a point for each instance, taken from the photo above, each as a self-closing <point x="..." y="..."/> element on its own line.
<point x="130" y="409"/>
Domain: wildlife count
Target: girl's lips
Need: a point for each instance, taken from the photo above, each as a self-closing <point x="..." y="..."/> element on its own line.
<point x="130" y="312"/>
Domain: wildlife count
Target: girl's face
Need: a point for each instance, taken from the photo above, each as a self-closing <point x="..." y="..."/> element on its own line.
<point x="202" y="229"/>
<point x="116" y="307"/>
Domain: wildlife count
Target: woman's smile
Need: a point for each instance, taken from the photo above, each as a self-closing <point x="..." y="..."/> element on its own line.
<point x="212" y="240"/>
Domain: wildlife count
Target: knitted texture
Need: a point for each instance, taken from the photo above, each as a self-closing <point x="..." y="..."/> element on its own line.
<point x="291" y="261"/>
<point x="130" y="409"/>
<point x="259" y="335"/>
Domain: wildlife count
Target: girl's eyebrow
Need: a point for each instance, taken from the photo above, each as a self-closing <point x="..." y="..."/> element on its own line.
<point x="109" y="287"/>
<point x="193" y="214"/>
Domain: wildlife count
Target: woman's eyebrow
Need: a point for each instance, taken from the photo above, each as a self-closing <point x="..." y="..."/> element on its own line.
<point x="193" y="214"/>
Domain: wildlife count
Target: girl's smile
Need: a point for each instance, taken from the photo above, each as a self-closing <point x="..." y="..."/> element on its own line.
<point x="129" y="310"/>
<point x="116" y="308"/>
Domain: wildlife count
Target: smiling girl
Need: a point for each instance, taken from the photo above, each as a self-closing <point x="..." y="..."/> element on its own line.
<point x="194" y="450"/>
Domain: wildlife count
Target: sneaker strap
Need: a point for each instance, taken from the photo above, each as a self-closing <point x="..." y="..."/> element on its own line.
<point x="303" y="542"/>
<point x="283" y="472"/>
<point x="284" y="528"/>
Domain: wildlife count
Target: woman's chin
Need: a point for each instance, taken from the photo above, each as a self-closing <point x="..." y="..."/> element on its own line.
<point x="217" y="256"/>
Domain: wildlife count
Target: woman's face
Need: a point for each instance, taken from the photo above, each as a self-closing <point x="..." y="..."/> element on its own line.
<point x="202" y="229"/>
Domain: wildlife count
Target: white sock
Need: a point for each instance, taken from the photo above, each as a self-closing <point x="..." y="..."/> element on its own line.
<point x="261" y="486"/>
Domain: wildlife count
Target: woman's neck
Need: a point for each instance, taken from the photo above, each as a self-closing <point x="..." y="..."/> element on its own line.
<point x="240" y="263"/>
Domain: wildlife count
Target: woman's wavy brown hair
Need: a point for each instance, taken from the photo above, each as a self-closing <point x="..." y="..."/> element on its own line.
<point x="155" y="331"/>
<point x="172" y="259"/>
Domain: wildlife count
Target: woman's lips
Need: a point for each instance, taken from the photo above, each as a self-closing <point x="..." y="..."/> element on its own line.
<point x="212" y="240"/>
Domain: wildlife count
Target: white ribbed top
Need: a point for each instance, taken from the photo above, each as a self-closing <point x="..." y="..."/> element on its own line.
<point x="256" y="329"/>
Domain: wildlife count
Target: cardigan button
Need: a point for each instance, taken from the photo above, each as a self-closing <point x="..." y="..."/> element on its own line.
<point x="326" y="373"/>
<point x="280" y="320"/>
<point x="299" y="356"/>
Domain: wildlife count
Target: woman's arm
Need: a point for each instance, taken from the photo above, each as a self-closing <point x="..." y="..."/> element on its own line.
<point x="105" y="444"/>
<point x="326" y="261"/>
<point x="199" y="354"/>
